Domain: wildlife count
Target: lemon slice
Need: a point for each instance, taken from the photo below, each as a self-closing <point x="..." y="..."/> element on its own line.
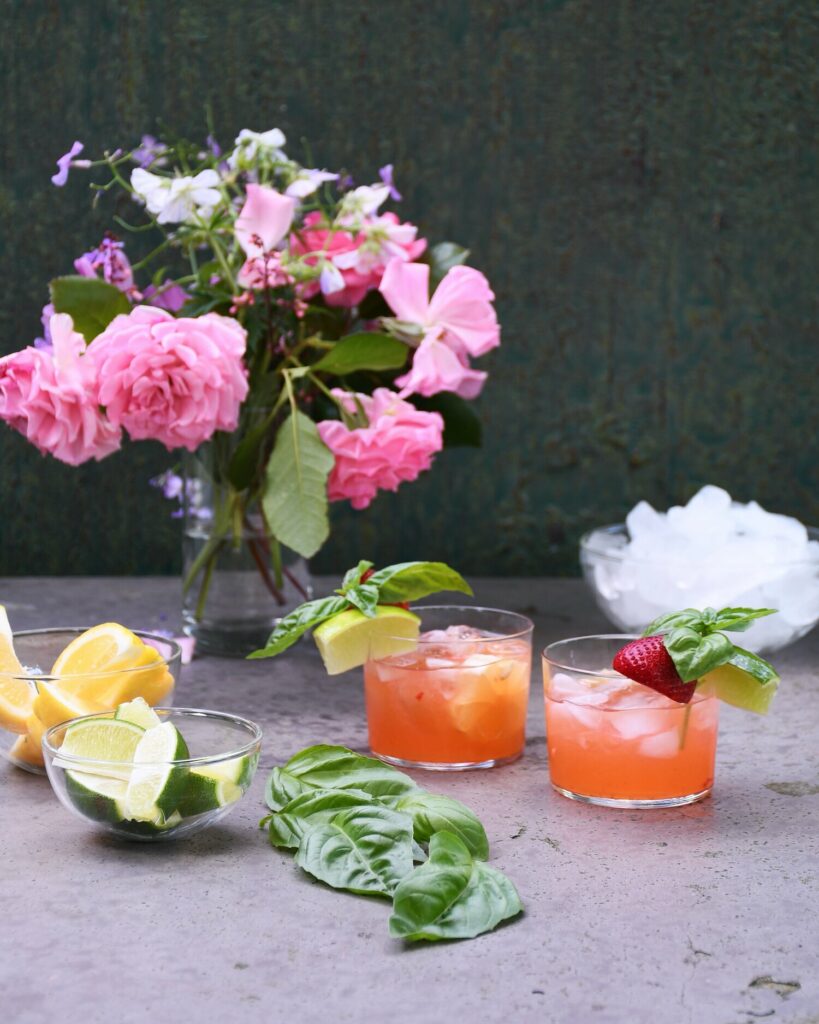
<point x="350" y="638"/>
<point x="107" y="656"/>
<point x="54" y="705"/>
<point x="746" y="681"/>
<point x="16" y="695"/>
<point x="28" y="748"/>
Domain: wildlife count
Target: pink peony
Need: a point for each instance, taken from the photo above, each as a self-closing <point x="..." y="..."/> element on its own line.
<point x="172" y="380"/>
<point x="356" y="263"/>
<point x="48" y="396"/>
<point x="396" y="446"/>
<point x="459" y="321"/>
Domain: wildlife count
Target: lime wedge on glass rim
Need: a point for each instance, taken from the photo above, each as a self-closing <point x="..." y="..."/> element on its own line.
<point x="350" y="638"/>
<point x="746" y="681"/>
<point x="156" y="782"/>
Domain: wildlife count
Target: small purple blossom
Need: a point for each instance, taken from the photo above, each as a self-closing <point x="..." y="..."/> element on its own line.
<point x="110" y="259"/>
<point x="213" y="146"/>
<point x="346" y="182"/>
<point x="385" y="174"/>
<point x="149" y="152"/>
<point x="175" y="488"/>
<point x="45" y="342"/>
<point x="64" y="163"/>
<point x="167" y="296"/>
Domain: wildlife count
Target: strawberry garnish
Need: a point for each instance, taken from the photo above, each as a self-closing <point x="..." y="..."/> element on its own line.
<point x="646" y="661"/>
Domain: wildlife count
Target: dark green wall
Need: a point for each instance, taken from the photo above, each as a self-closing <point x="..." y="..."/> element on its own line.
<point x="637" y="179"/>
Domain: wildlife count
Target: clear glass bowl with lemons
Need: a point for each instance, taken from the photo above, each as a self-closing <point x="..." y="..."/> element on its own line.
<point x="48" y="676"/>
<point x="152" y="774"/>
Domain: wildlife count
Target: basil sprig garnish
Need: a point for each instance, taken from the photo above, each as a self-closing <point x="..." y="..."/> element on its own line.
<point x="697" y="642"/>
<point x="407" y="581"/>
<point x="358" y="824"/>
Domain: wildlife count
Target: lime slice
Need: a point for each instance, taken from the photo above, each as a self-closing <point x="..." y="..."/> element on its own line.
<point x="746" y="681"/>
<point x="156" y="783"/>
<point x="350" y="638"/>
<point x="205" y="790"/>
<point x="138" y="712"/>
<point x="102" y="739"/>
<point x="149" y="829"/>
<point x="95" y="796"/>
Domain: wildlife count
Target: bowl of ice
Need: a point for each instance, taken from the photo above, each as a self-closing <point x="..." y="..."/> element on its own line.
<point x="712" y="552"/>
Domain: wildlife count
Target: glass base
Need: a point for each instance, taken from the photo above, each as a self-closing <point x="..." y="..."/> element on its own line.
<point x="658" y="804"/>
<point x="228" y="641"/>
<point x="443" y="766"/>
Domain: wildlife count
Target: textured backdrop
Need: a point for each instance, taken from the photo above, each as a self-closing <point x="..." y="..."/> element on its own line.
<point x="638" y="181"/>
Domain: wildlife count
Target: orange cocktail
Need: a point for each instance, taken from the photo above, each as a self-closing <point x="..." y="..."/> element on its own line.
<point x="455" y="698"/>
<point x="616" y="742"/>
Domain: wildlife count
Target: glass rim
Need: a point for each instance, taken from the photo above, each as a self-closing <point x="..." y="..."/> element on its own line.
<point x="526" y="622"/>
<point x="76" y="761"/>
<point x="49" y="677"/>
<point x="616" y="555"/>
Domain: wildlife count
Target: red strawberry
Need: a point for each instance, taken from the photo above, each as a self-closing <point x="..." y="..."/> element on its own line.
<point x="647" y="661"/>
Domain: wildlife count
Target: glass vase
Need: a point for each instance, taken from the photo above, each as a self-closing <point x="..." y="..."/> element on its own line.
<point x="238" y="581"/>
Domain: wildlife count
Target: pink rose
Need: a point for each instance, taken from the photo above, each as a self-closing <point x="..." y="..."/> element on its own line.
<point x="396" y="446"/>
<point x="459" y="321"/>
<point x="174" y="380"/>
<point x="48" y="396"/>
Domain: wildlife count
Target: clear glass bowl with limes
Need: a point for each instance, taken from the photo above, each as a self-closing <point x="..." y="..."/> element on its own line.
<point x="152" y="774"/>
<point x="48" y="676"/>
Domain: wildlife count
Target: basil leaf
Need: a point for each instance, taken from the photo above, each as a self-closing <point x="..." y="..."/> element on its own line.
<point x="366" y="850"/>
<point x="694" y="655"/>
<point x="315" y="807"/>
<point x="409" y="581"/>
<point x="737" y="620"/>
<point x="690" y="617"/>
<point x="432" y="813"/>
<point x="329" y="767"/>
<point x="292" y="626"/>
<point x="364" y="597"/>
<point x="353" y="576"/>
<point x="451" y="896"/>
<point x="365" y="351"/>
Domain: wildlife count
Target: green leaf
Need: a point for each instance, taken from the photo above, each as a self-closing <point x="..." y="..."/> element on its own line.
<point x="410" y="581"/>
<point x="364" y="597"/>
<point x="91" y="302"/>
<point x="451" y="896"/>
<point x="365" y="351"/>
<point x="694" y="655"/>
<point x="246" y="459"/>
<point x="442" y="258"/>
<point x="295" y="495"/>
<point x="690" y="617"/>
<point x="353" y="576"/>
<point x="462" y="428"/>
<point x="432" y="813"/>
<point x="737" y="620"/>
<point x="330" y="767"/>
<point x="315" y="807"/>
<point x="367" y="850"/>
<point x="292" y="626"/>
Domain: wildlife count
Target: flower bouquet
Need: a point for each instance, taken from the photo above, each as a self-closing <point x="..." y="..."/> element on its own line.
<point x="305" y="346"/>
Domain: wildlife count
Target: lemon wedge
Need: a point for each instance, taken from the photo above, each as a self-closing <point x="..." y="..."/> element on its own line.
<point x="16" y="694"/>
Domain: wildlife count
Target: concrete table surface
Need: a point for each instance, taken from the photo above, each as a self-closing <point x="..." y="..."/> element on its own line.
<point x="706" y="914"/>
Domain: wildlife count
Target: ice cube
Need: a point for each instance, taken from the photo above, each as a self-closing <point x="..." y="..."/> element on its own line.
<point x="662" y="744"/>
<point x="476" y="660"/>
<point x="636" y="722"/>
<point x="442" y="663"/>
<point x="644" y="520"/>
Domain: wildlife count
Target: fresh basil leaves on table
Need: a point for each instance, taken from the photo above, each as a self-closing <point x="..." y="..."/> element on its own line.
<point x="359" y="824"/>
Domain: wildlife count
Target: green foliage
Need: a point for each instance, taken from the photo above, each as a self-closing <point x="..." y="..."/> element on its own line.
<point x="91" y="302"/>
<point x="462" y="428"/>
<point x="364" y="351"/>
<point x="410" y="581"/>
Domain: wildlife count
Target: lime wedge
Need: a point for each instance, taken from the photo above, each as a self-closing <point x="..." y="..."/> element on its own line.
<point x="102" y="739"/>
<point x="350" y="638"/>
<point x="96" y="796"/>
<point x="138" y="712"/>
<point x="205" y="790"/>
<point x="746" y="681"/>
<point x="149" y="829"/>
<point x="156" y="783"/>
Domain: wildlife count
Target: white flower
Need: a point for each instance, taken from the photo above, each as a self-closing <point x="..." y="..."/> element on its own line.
<point x="176" y="200"/>
<point x="307" y="181"/>
<point x="361" y="202"/>
<point x="384" y="240"/>
<point x="330" y="279"/>
<point x="251" y="146"/>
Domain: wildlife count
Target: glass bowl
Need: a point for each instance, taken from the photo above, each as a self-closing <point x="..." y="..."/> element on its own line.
<point x="223" y="756"/>
<point x="632" y="591"/>
<point x="38" y="649"/>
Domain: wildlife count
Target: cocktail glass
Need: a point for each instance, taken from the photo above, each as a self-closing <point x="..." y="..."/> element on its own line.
<point x="457" y="697"/>
<point x="618" y="743"/>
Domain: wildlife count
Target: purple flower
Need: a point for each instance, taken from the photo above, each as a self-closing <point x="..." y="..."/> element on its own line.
<point x="109" y="258"/>
<point x="45" y="342"/>
<point x="385" y="173"/>
<point x="64" y="163"/>
<point x="167" y="296"/>
<point x="213" y="146"/>
<point x="148" y="152"/>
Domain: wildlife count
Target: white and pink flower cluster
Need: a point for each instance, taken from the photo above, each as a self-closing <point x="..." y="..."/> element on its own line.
<point x="155" y="373"/>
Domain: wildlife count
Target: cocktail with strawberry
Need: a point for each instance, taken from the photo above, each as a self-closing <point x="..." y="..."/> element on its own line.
<point x="632" y="722"/>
